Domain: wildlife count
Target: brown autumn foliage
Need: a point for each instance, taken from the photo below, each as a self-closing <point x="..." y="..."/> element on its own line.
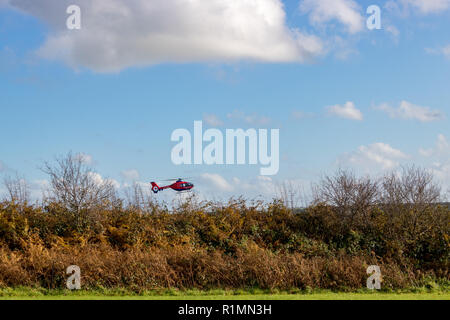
<point x="397" y="223"/>
<point x="211" y="246"/>
<point x="185" y="267"/>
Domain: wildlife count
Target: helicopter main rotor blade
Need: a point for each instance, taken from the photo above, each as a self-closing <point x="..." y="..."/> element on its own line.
<point x="177" y="179"/>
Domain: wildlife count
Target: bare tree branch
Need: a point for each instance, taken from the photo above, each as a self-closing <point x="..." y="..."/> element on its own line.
<point x="76" y="185"/>
<point x="17" y="188"/>
<point x="349" y="195"/>
<point x="292" y="195"/>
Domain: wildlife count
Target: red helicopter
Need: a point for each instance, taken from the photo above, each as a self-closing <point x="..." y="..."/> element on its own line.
<point x="179" y="186"/>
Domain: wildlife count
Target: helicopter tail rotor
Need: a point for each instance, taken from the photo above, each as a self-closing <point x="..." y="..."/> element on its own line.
<point x="155" y="187"/>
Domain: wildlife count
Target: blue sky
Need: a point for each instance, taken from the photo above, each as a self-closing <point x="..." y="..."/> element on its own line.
<point x="341" y="95"/>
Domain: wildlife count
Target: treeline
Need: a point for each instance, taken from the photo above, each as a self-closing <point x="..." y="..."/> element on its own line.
<point x="396" y="222"/>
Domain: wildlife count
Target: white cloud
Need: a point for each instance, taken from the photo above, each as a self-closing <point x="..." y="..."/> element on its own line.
<point x="393" y="31"/>
<point x="99" y="180"/>
<point x="442" y="173"/>
<point x="442" y="145"/>
<point x="445" y="51"/>
<point x="403" y="8"/>
<point x="212" y="120"/>
<point x="252" y="119"/>
<point x="409" y="111"/>
<point x="347" y="111"/>
<point x="2" y="167"/>
<point x="427" y="6"/>
<point x="40" y="184"/>
<point x="216" y="181"/>
<point x="426" y="152"/>
<point x="84" y="158"/>
<point x="213" y="185"/>
<point x="38" y="188"/>
<point x="347" y="12"/>
<point x="442" y="148"/>
<point x="343" y="48"/>
<point x="378" y="155"/>
<point x="438" y="158"/>
<point x="261" y="185"/>
<point x="118" y="34"/>
<point x="130" y="175"/>
<point x="299" y="115"/>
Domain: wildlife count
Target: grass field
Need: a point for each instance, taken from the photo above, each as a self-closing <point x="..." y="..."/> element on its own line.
<point x="42" y="294"/>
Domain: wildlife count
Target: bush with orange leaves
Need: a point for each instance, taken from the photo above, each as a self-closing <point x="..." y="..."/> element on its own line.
<point x="183" y="266"/>
<point x="209" y="245"/>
